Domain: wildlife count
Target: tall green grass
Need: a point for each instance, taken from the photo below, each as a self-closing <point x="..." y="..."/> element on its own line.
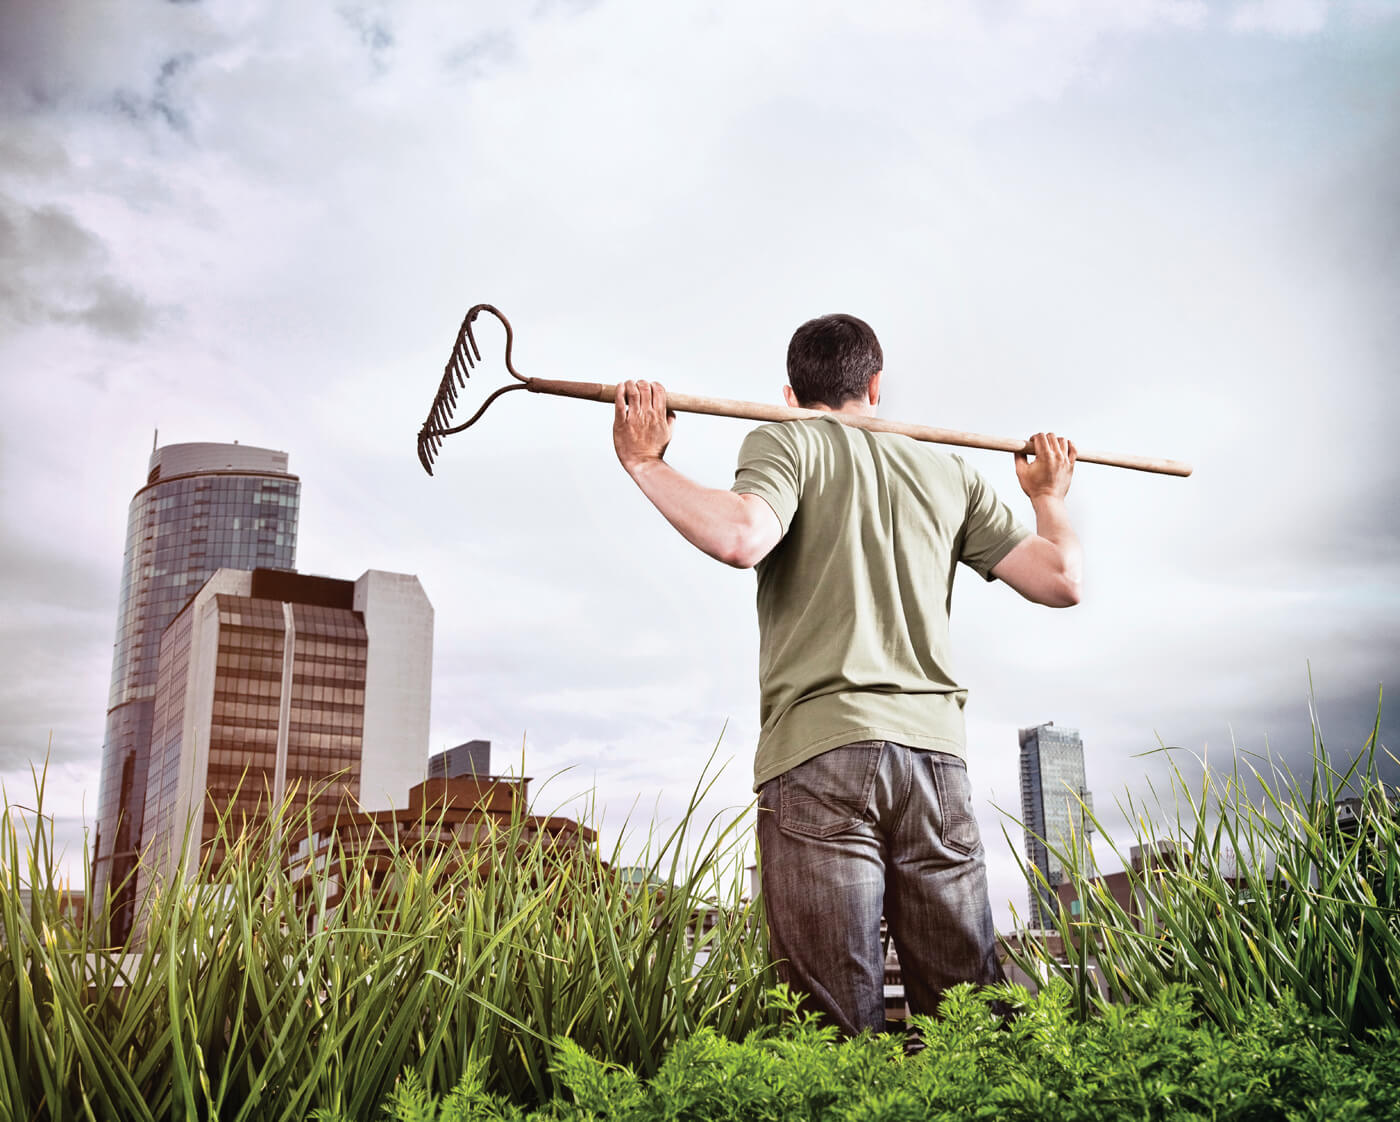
<point x="1269" y="888"/>
<point x="250" y="998"/>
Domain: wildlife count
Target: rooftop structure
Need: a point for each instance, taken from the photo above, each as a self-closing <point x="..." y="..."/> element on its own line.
<point x="470" y="758"/>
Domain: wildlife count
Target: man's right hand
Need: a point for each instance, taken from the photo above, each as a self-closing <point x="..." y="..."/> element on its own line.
<point x="1050" y="473"/>
<point x="1047" y="566"/>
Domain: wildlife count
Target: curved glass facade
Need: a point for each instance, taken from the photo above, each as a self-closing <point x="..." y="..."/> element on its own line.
<point x="204" y="507"/>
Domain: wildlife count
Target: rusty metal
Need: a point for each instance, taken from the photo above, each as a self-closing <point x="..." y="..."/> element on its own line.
<point x="465" y="355"/>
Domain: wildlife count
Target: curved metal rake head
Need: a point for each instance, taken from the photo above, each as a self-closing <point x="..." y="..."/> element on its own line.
<point x="465" y="355"/>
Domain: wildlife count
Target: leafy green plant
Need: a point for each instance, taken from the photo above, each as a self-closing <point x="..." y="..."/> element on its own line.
<point x="1151" y="1061"/>
<point x="1287" y="893"/>
<point x="250" y="996"/>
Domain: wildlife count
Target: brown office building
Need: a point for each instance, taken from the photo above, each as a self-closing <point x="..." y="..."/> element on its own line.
<point x="276" y="687"/>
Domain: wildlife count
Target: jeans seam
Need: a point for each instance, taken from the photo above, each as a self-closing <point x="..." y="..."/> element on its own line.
<point x="902" y="803"/>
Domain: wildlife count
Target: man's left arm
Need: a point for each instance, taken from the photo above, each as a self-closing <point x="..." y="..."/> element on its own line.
<point x="738" y="529"/>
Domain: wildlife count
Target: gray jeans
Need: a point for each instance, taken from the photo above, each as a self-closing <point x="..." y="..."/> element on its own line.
<point x="870" y="828"/>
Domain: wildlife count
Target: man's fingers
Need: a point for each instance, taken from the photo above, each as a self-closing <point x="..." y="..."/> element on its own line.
<point x="1048" y="444"/>
<point x="641" y="402"/>
<point x="635" y="396"/>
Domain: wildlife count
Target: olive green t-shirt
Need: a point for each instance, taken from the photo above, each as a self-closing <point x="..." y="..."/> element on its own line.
<point x="853" y="601"/>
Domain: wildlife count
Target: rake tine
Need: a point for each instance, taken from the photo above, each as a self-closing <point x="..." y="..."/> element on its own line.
<point x="460" y="363"/>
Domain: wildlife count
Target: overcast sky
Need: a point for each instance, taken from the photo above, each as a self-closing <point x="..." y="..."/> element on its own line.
<point x="1157" y="226"/>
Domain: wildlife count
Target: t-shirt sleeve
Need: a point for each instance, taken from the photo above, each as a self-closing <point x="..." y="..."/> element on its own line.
<point x="768" y="468"/>
<point x="991" y="530"/>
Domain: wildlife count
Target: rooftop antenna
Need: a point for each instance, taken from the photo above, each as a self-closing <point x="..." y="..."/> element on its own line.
<point x="155" y="439"/>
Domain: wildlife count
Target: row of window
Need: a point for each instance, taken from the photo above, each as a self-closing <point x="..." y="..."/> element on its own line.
<point x="332" y="744"/>
<point x="177" y="535"/>
<point x="341" y="690"/>
<point x="304" y="766"/>
<point x="180" y="493"/>
<point x="331" y="641"/>
<point x="230" y="687"/>
<point x="184" y="506"/>
<point x="224" y="781"/>
<point x="248" y="638"/>
<point x="334" y="692"/>
<point x="231" y="761"/>
<point x="345" y="670"/>
<point x="246" y="632"/>
<point x="173" y="509"/>
<point x="335" y="726"/>
<point x="239" y="718"/>
<point x="246" y="713"/>
<point x="240" y="704"/>
<point x="251" y="665"/>
<point x="228" y="743"/>
<point x="242" y="739"/>
<point x="177" y="546"/>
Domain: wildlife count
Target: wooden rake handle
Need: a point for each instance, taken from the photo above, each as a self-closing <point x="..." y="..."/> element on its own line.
<point x="758" y="411"/>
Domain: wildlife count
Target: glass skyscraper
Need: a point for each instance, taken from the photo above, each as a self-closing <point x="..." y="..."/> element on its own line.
<point x="1054" y="798"/>
<point x="204" y="507"/>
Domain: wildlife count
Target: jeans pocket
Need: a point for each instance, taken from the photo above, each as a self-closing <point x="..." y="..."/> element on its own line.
<point x="960" y="831"/>
<point x="829" y="793"/>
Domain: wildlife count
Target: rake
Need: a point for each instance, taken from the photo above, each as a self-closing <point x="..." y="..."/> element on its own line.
<point x="466" y="354"/>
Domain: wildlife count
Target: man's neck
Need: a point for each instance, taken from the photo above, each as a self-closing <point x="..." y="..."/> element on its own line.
<point x="856" y="407"/>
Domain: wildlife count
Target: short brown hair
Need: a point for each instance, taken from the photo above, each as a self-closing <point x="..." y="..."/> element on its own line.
<point x="831" y="360"/>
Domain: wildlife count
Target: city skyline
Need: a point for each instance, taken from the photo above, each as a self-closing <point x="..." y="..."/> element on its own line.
<point x="1157" y="227"/>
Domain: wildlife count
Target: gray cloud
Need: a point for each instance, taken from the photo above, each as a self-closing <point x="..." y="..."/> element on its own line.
<point x="52" y="269"/>
<point x="161" y="100"/>
<point x="371" y="23"/>
<point x="56" y="648"/>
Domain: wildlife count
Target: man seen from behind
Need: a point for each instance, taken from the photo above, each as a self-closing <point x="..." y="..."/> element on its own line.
<point x="864" y="802"/>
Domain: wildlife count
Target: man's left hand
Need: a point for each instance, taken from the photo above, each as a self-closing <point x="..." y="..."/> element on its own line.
<point x="641" y="424"/>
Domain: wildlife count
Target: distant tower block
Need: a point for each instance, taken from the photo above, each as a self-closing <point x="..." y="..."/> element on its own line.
<point x="471" y="758"/>
<point x="203" y="507"/>
<point x="1054" y="802"/>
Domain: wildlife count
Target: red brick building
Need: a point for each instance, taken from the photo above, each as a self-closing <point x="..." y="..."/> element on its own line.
<point x="464" y="816"/>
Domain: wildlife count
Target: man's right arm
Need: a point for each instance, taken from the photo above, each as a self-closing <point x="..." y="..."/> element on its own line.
<point x="1046" y="567"/>
<point x="738" y="529"/>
